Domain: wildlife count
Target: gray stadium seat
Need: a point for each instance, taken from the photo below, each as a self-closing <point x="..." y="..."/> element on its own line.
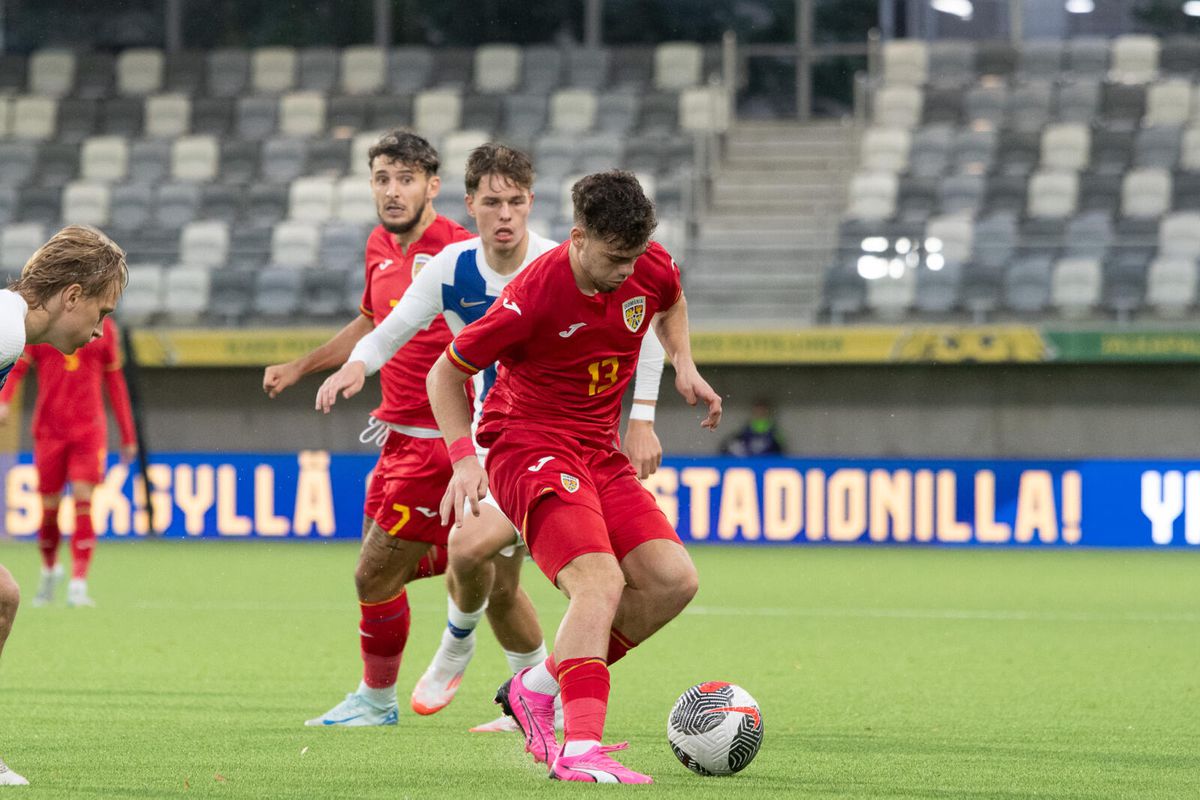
<point x="142" y="299"/>
<point x="176" y="204"/>
<point x="660" y="113"/>
<point x="231" y="292"/>
<point x="1122" y="105"/>
<point x="284" y="160"/>
<point x="555" y="154"/>
<point x="301" y="114"/>
<point x="588" y="68"/>
<point x="17" y="162"/>
<point x="453" y="68"/>
<point x="57" y="163"/>
<point x="986" y="103"/>
<point x="1087" y="56"/>
<point x="342" y="246"/>
<point x="256" y="117"/>
<point x="1017" y="153"/>
<point x="885" y="149"/>
<point x="212" y="115"/>
<point x="295" y="244"/>
<point x="1134" y="58"/>
<point x="318" y="69"/>
<point x="617" y="111"/>
<point x="995" y="239"/>
<point x="974" y="151"/>
<point x="898" y="106"/>
<point x="264" y="205"/>
<point x="8" y="203"/>
<point x="1112" y="151"/>
<point x="204" y="243"/>
<point x="386" y="112"/>
<point x="1029" y="105"/>
<point x="346" y="112"/>
<point x="1040" y="59"/>
<point x="1098" y="192"/>
<point x="323" y="292"/>
<point x="437" y="111"/>
<point x="1157" y="147"/>
<point x="573" y="110"/>
<point x="1180" y="56"/>
<point x="543" y="69"/>
<point x="356" y="281"/>
<point x="995" y="58"/>
<point x="42" y="204"/>
<point x="1146" y="192"/>
<point x="962" y="193"/>
<point x="1124" y="277"/>
<point x="524" y="115"/>
<point x="19" y="241"/>
<point x="940" y="105"/>
<point x="951" y="61"/>
<point x="86" y="203"/>
<point x="1053" y="194"/>
<point x="1075" y="286"/>
<point x="34" y="118"/>
<point x="632" y="67"/>
<point x="1065" y="146"/>
<point x="1041" y="236"/>
<point x="916" y="199"/>
<point x="938" y="290"/>
<point x="122" y="116"/>
<point x="195" y="158"/>
<point x="310" y="199"/>
<point x="328" y="157"/>
<point x="891" y="297"/>
<point x="149" y="160"/>
<point x="131" y="205"/>
<point x="410" y="70"/>
<point x="482" y="112"/>
<point x="220" y="201"/>
<point x="872" y="196"/>
<point x="1027" y="285"/>
<point x="1089" y="235"/>
<point x="228" y="72"/>
<point x="930" y="150"/>
<point x="184" y="72"/>
<point x="1179" y="235"/>
<point x="13" y="74"/>
<point x="354" y="201"/>
<point x="51" y="72"/>
<point x="104" y="158"/>
<point x="952" y="236"/>
<point x="1078" y="101"/>
<point x="678" y="65"/>
<point x="905" y="62"/>
<point x="1171" y="286"/>
<point x="77" y="119"/>
<point x="249" y="246"/>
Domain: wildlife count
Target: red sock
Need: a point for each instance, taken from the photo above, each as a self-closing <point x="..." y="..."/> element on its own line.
<point x="382" y="633"/>
<point x="83" y="542"/>
<point x="584" y="685"/>
<point x="618" y="646"/>
<point x="49" y="536"/>
<point x="433" y="564"/>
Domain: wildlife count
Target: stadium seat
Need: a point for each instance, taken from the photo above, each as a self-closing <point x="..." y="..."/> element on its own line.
<point x="524" y="116"/>
<point x="898" y="106"/>
<point x="1112" y="151"/>
<point x="212" y="115"/>
<point x="220" y="201"/>
<point x="184" y="73"/>
<point x="410" y="69"/>
<point x="342" y="245"/>
<point x="328" y="157"/>
<point x="632" y="68"/>
<point x="588" y="67"/>
<point x="1168" y="103"/>
<point x="77" y="119"/>
<point x="143" y="296"/>
<point x="284" y="160"/>
<point x="1180" y="56"/>
<point x="104" y="158"/>
<point x="360" y="147"/>
<point x="1029" y="105"/>
<point x="453" y="68"/>
<point x="356" y="282"/>
<point x="1027" y="285"/>
<point x="1065" y="147"/>
<point x="573" y="110"/>
<point x="1053" y="194"/>
<point x="905" y="62"/>
<point x="930" y="151"/>
<point x="122" y="116"/>
<point x="872" y="196"/>
<point x="497" y="68"/>
<point x="301" y="114"/>
<point x="17" y="162"/>
<point x="41" y="204"/>
<point x="51" y="72"/>
<point x="704" y="109"/>
<point x="264" y="205"/>
<point x="987" y="104"/>
<point x="346" y="115"/>
<point x="677" y="65"/>
<point x="891" y="297"/>
<point x="1078" y="101"/>
<point x="14" y="73"/>
<point x="256" y="117"/>
<point x="57" y="163"/>
<point x="1089" y="235"/>
<point x="294" y="244"/>
<point x="139" y="71"/>
<point x="323" y="292"/>
<point x="228" y="72"/>
<point x="1040" y="60"/>
<point x="938" y="290"/>
<point x="481" y="112"/>
<point x="230" y="294"/>
<point x="363" y="69"/>
<point x="916" y="199"/>
<point x="1157" y="147"/>
<point x="19" y="241"/>
<point x="310" y="199"/>
<point x="94" y="76"/>
<point x="1124" y="280"/>
<point x="995" y="239"/>
<point x="1171" y="285"/>
<point x="168" y="115"/>
<point x="1041" y="236"/>
<point x="659" y="113"/>
<point x="962" y="193"/>
<point x="885" y="150"/>
<point x="951" y="61"/>
<point x="1122" y="105"/>
<point x="176" y="204"/>
<point x="1134" y="58"/>
<point x="34" y="118"/>
<point x="1017" y="153"/>
<point x="387" y="112"/>
<point x="273" y="70"/>
<point x="317" y="69"/>
<point x="1179" y="235"/>
<point x="1189" y="151"/>
<point x="194" y="158"/>
<point x="942" y="105"/>
<point x="131" y="205"/>
<point x="1087" y="56"/>
<point x="149" y="161"/>
<point x="8" y="204"/>
<point x="542" y="69"/>
<point x="185" y="294"/>
<point x="437" y="111"/>
<point x="85" y="203"/>
<point x="1075" y="286"/>
<point x="1146" y="192"/>
<point x="204" y="243"/>
<point x="249" y="246"/>
<point x="555" y="154"/>
<point x="952" y="236"/>
<point x="617" y="110"/>
<point x="996" y="59"/>
<point x="1098" y="192"/>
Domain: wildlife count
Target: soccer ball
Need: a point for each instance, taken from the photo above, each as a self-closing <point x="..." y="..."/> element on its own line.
<point x="715" y="728"/>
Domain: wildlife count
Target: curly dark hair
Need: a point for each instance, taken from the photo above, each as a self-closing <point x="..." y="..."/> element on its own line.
<point x="405" y="147"/>
<point x="612" y="206"/>
<point x="498" y="159"/>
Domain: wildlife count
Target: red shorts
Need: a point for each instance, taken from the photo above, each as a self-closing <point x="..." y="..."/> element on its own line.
<point x="407" y="487"/>
<point x="62" y="460"/>
<point x="524" y="468"/>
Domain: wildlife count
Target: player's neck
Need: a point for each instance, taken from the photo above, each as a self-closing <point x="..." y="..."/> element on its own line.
<point x="506" y="263"/>
<point x="582" y="281"/>
<point x="37" y="324"/>
<point x="403" y="240"/>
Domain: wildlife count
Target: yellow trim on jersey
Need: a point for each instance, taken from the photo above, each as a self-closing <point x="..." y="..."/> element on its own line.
<point x="460" y="362"/>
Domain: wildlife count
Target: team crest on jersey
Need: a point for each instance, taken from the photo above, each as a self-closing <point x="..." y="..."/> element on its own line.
<point x="635" y="311"/>
<point x="569" y="482"/>
<point x="419" y="262"/>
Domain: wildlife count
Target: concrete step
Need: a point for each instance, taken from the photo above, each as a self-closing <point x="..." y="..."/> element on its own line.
<point x="739" y="149"/>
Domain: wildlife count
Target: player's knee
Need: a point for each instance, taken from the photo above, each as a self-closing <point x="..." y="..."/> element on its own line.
<point x="676" y="587"/>
<point x="10" y="597"/>
<point x="467" y="555"/>
<point x="601" y="583"/>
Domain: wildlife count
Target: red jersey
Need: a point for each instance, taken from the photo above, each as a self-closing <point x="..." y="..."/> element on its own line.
<point x="390" y="271"/>
<point x="565" y="358"/>
<point x="69" y="405"/>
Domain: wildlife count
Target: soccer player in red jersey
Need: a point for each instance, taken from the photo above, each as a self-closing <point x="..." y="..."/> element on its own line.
<point x="403" y="537"/>
<point x="65" y="291"/>
<point x="70" y="435"/>
<point x="567" y="333"/>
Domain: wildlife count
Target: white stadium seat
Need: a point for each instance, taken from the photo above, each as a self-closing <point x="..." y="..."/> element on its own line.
<point x="573" y="110"/>
<point x="51" y="72"/>
<point x="677" y="65"/>
<point x="104" y="158"/>
<point x="363" y="69"/>
<point x="497" y="68"/>
<point x="195" y="158"/>
<point x="354" y="201"/>
<point x="85" y="203"/>
<point x="311" y="199"/>
<point x="204" y="243"/>
<point x="302" y="114"/>
<point x="437" y="112"/>
<point x="139" y="71"/>
<point x="273" y="69"/>
<point x="168" y="116"/>
<point x="34" y="118"/>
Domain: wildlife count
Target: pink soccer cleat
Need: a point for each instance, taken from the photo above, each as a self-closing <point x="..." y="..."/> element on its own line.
<point x="595" y="766"/>
<point x="533" y="712"/>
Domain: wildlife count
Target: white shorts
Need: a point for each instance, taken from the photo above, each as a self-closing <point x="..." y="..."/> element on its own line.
<point x="510" y="550"/>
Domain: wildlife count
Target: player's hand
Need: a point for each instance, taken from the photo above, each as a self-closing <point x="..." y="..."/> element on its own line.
<point x="643" y="448"/>
<point x="468" y="485"/>
<point x="128" y="453"/>
<point x="348" y="381"/>
<point x="278" y="377"/>
<point x="696" y="390"/>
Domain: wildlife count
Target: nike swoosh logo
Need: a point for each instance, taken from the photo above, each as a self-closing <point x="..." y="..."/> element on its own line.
<point x="465" y="304"/>
<point x="426" y="511"/>
<point x="511" y="306"/>
<point x="384" y="265"/>
<point x="339" y="721"/>
<point x="541" y="463"/>
<point x="574" y="327"/>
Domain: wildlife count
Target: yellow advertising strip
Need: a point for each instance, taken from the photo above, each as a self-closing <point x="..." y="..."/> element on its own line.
<point x="201" y="347"/>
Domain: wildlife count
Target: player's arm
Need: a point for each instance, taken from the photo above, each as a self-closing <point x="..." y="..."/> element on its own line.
<point x="118" y="398"/>
<point x="672" y="328"/>
<point x="278" y="377"/>
<point x="452" y="410"/>
<point x="641" y="442"/>
<point x="9" y="390"/>
<point x="419" y="306"/>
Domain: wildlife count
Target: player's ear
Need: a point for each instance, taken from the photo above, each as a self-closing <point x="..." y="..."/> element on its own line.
<point x="577" y="236"/>
<point x="433" y="187"/>
<point x="71" y="296"/>
<point x="469" y="199"/>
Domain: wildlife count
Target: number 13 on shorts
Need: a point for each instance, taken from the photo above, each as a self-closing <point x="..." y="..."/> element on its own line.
<point x="604" y="375"/>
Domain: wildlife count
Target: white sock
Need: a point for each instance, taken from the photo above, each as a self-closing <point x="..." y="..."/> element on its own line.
<point x="378" y="697"/>
<point x="539" y="679"/>
<point x="463" y="620"/>
<point x="519" y="661"/>
<point x="77" y="585"/>
<point x="454" y="653"/>
<point x="579" y="746"/>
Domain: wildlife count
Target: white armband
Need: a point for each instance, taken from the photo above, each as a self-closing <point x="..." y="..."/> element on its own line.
<point x="641" y="412"/>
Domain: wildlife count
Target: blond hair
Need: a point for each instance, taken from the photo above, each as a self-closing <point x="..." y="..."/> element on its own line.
<point x="77" y="254"/>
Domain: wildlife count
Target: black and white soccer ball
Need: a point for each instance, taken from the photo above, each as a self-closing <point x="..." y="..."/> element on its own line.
<point x="715" y="728"/>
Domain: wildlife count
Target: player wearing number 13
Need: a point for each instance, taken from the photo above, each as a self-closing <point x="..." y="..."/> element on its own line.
<point x="566" y="333"/>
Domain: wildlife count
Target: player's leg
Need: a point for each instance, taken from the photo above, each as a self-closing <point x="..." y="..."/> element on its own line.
<point x="10" y="598"/>
<point x="50" y="459"/>
<point x="83" y="544"/>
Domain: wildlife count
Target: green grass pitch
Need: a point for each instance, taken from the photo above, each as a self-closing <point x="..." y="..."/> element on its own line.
<point x="892" y="673"/>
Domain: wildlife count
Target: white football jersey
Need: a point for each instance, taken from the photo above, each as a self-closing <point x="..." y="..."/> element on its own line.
<point x="13" y="309"/>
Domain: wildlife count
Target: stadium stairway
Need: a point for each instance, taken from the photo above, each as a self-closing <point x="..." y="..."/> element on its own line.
<point x="763" y="243"/>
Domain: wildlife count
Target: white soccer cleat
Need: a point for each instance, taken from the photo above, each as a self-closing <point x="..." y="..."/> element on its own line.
<point x="10" y="778"/>
<point x="47" y="586"/>
<point x="77" y="594"/>
<point x="441" y="680"/>
<point x="356" y="712"/>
